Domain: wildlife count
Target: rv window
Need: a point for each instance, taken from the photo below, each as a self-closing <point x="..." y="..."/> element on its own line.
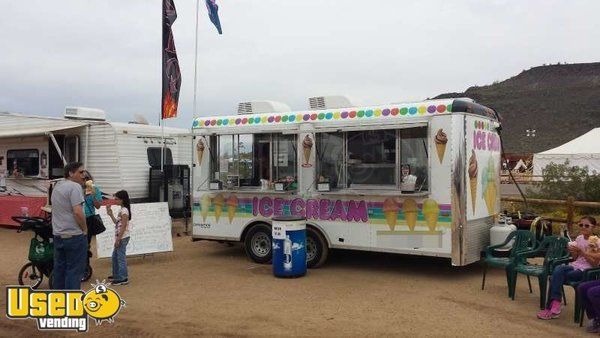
<point x="413" y="151"/>
<point x="371" y="157"/>
<point x="23" y="162"/>
<point x="154" y="155"/>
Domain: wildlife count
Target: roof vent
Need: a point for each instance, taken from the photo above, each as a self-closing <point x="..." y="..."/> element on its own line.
<point x="82" y="113"/>
<point x="257" y="107"/>
<point x="329" y="102"/>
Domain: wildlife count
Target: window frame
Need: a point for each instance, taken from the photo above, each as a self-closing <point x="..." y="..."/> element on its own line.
<point x="8" y="160"/>
<point x="342" y="184"/>
<point x="168" y="154"/>
<point x="272" y="137"/>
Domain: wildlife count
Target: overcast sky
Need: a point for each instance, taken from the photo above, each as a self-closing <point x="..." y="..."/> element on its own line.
<point x="106" y="53"/>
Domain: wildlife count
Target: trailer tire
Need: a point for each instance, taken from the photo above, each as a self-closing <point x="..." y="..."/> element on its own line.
<point x="316" y="248"/>
<point x="258" y="243"/>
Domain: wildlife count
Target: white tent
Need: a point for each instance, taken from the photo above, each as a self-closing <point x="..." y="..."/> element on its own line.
<point x="582" y="151"/>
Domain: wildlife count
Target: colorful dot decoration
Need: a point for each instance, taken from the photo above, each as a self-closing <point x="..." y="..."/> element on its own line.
<point x="331" y="116"/>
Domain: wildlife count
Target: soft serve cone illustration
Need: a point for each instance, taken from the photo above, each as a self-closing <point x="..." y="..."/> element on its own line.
<point x="473" y="179"/>
<point x="218" y="201"/>
<point x="409" y="207"/>
<point x="440" y="144"/>
<point x="307" y="144"/>
<point x="204" y="206"/>
<point x="490" y="190"/>
<point x="431" y="212"/>
<point x="232" y="203"/>
<point x="200" y="150"/>
<point x="390" y="210"/>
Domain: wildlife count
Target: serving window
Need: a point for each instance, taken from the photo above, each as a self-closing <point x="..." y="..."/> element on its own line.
<point x="372" y="159"/>
<point x="252" y="160"/>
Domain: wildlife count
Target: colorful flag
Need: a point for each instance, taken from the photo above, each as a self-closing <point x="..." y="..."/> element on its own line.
<point x="213" y="14"/>
<point x="171" y="75"/>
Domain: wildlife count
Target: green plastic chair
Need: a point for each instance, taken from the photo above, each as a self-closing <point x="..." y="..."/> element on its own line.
<point x="523" y="241"/>
<point x="551" y="248"/>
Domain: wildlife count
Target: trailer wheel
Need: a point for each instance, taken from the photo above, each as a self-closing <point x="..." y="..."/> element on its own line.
<point x="316" y="248"/>
<point x="258" y="243"/>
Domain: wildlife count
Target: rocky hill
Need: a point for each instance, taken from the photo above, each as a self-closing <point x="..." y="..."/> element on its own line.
<point x="561" y="102"/>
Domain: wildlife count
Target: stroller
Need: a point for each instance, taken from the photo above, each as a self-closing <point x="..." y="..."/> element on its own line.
<point x="41" y="252"/>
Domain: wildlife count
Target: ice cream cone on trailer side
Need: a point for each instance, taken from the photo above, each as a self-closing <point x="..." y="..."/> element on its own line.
<point x="431" y="212"/>
<point x="441" y="139"/>
<point x="232" y="203"/>
<point x="200" y="150"/>
<point x="218" y="201"/>
<point x="307" y="144"/>
<point x="473" y="170"/>
<point x="204" y="206"/>
<point x="390" y="210"/>
<point x="410" y="209"/>
<point x="490" y="198"/>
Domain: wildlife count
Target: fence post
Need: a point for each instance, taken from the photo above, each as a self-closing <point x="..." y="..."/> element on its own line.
<point x="570" y="213"/>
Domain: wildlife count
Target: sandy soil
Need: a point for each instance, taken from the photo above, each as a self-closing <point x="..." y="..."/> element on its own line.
<point x="207" y="288"/>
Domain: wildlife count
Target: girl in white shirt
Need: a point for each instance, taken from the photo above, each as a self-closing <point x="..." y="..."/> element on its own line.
<point x="122" y="229"/>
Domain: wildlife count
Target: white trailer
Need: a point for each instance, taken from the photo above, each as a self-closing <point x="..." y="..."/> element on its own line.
<point x="34" y="150"/>
<point x="411" y="178"/>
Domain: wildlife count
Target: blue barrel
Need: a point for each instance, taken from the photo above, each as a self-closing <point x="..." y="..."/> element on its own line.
<point x="289" y="246"/>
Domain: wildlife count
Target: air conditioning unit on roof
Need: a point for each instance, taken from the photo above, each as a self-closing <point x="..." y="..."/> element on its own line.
<point x="83" y="113"/>
<point x="329" y="102"/>
<point x="256" y="107"/>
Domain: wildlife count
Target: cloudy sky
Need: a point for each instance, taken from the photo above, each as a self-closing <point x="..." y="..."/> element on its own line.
<point x="106" y="53"/>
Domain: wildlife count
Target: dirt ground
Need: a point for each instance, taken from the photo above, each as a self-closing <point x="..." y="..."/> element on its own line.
<point x="208" y="288"/>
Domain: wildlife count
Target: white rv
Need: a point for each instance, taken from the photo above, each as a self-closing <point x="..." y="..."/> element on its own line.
<point x="34" y="150"/>
<point x="412" y="178"/>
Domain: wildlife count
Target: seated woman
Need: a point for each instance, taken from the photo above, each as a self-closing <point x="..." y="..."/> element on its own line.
<point x="572" y="272"/>
<point x="590" y="302"/>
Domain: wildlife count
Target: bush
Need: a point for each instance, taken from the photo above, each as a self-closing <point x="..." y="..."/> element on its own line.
<point x="562" y="180"/>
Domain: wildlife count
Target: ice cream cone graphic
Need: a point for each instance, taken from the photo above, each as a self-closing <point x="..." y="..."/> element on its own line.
<point x="204" y="206"/>
<point x="218" y="201"/>
<point x="232" y="203"/>
<point x="307" y="144"/>
<point x="431" y="212"/>
<point x="409" y="207"/>
<point x="490" y="198"/>
<point x="390" y="210"/>
<point x="200" y="150"/>
<point x="473" y="179"/>
<point x="440" y="144"/>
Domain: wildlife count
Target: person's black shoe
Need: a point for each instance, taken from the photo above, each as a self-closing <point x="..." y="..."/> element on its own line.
<point x="121" y="282"/>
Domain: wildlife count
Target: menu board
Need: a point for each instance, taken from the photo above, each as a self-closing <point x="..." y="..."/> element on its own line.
<point x="150" y="230"/>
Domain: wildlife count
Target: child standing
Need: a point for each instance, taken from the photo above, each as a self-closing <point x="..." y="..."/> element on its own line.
<point x="122" y="229"/>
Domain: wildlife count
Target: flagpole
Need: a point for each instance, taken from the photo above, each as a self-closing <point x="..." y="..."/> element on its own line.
<point x="196" y="58"/>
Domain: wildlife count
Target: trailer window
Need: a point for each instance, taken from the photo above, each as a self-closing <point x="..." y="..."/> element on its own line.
<point x="154" y="155"/>
<point x="284" y="157"/>
<point x="330" y="159"/>
<point x="371" y="157"/>
<point x="413" y="152"/>
<point x="247" y="159"/>
<point x="23" y="162"/>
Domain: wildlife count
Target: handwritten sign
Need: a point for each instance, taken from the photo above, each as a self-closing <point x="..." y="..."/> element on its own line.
<point x="150" y="230"/>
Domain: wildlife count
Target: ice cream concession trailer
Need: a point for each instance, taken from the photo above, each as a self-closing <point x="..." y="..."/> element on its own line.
<point x="410" y="178"/>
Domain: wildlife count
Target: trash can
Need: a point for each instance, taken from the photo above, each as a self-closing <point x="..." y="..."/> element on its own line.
<point x="289" y="246"/>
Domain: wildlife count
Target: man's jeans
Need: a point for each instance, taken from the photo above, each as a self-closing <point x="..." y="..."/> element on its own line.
<point x="119" y="262"/>
<point x="70" y="257"/>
